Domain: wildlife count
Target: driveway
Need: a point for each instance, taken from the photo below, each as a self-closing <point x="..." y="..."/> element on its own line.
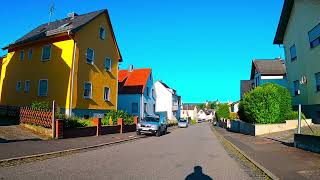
<point x="14" y="133"/>
<point x="191" y="153"/>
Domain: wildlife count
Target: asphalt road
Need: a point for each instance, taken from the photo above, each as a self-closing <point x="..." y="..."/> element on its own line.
<point x="182" y="154"/>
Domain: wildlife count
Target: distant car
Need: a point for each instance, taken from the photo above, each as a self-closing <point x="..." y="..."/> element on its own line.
<point x="183" y="123"/>
<point x="200" y="120"/>
<point x="151" y="125"/>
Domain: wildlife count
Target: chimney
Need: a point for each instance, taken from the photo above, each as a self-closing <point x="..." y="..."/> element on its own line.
<point x="130" y="69"/>
<point x="72" y="15"/>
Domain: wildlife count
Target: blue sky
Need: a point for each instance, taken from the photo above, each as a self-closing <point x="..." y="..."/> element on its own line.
<point x="200" y="48"/>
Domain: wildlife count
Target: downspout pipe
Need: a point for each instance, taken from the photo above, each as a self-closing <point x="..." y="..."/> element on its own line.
<point x="72" y="74"/>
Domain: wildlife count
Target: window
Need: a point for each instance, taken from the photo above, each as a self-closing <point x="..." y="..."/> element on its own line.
<point x="106" y="94"/>
<point x="87" y="90"/>
<point x="30" y="54"/>
<point x="293" y="52"/>
<point x="148" y="94"/>
<point x="18" y="86"/>
<point x="134" y="108"/>
<point x="296" y="87"/>
<point x="317" y="77"/>
<point x="145" y="108"/>
<point x="90" y="56"/>
<point x="46" y="53"/>
<point x="27" y="86"/>
<point x="314" y="36"/>
<point x="107" y="64"/>
<point x="43" y="87"/>
<point x="154" y="108"/>
<point x="102" y="33"/>
<point x="21" y="55"/>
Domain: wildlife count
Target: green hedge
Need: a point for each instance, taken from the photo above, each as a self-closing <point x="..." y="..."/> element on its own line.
<point x="223" y="111"/>
<point x="266" y="104"/>
<point x="111" y="118"/>
<point x="41" y="106"/>
<point x="76" y="122"/>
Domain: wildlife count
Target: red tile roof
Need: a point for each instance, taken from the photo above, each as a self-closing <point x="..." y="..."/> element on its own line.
<point x="133" y="82"/>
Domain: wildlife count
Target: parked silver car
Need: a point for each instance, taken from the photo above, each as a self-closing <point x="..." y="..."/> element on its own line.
<point x="183" y="123"/>
<point x="151" y="125"/>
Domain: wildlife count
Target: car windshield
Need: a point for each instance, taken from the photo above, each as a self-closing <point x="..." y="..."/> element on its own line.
<point x="151" y="119"/>
<point x="183" y="120"/>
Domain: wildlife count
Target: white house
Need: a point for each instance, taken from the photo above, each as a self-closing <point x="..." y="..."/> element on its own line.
<point x="204" y="114"/>
<point x="235" y="107"/>
<point x="136" y="93"/>
<point x="167" y="100"/>
<point x="189" y="111"/>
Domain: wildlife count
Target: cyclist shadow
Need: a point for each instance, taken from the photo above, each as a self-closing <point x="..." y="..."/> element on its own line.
<point x="198" y="175"/>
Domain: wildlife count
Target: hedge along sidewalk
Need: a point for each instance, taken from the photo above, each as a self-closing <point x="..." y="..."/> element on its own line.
<point x="283" y="161"/>
<point x="29" y="147"/>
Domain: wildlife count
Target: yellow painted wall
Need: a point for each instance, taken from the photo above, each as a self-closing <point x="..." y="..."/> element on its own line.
<point x="57" y="71"/>
<point x="88" y="37"/>
<point x="304" y="17"/>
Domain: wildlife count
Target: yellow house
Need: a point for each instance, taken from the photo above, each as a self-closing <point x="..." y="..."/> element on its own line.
<point x="299" y="33"/>
<point x="73" y="61"/>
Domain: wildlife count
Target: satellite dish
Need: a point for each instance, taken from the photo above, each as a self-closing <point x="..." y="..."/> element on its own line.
<point x="303" y="80"/>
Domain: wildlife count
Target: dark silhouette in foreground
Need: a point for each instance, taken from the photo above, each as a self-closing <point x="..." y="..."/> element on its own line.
<point x="198" y="174"/>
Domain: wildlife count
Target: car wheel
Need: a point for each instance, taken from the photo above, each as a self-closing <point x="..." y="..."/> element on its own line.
<point x="138" y="133"/>
<point x="158" y="134"/>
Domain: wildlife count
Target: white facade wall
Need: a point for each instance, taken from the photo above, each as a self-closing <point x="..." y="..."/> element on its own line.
<point x="164" y="101"/>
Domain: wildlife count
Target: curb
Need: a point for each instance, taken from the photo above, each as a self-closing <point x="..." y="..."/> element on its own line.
<point x="258" y="165"/>
<point x="10" y="160"/>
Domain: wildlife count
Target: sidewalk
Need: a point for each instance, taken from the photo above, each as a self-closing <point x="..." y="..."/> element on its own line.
<point x="32" y="147"/>
<point x="283" y="160"/>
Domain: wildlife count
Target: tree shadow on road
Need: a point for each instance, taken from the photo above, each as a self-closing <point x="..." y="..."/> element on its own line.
<point x="198" y="175"/>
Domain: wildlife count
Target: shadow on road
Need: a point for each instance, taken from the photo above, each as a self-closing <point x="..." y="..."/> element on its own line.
<point x="18" y="140"/>
<point x="198" y="175"/>
<point x="290" y="144"/>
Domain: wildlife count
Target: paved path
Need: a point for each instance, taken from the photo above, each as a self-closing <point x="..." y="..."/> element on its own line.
<point x="173" y="156"/>
<point x="279" y="157"/>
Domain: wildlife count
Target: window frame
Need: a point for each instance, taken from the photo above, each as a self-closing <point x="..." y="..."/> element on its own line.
<point x="290" y="51"/>
<point x="39" y="83"/>
<point x="317" y="85"/>
<point x="21" y="55"/>
<point x="110" y="68"/>
<point x="18" y="89"/>
<point x="25" y="86"/>
<point x="92" y="60"/>
<point x="145" y="107"/>
<point x="42" y="53"/>
<point x="84" y="89"/>
<point x="105" y="32"/>
<point x="30" y="54"/>
<point x="104" y="94"/>
<point x="316" y="39"/>
<point x="148" y="92"/>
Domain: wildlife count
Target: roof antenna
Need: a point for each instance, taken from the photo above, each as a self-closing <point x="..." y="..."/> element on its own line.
<point x="51" y="11"/>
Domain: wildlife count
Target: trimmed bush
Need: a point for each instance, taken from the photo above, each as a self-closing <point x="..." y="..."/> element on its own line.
<point x="234" y="116"/>
<point x="75" y="122"/>
<point x="41" y="106"/>
<point x="266" y="104"/>
<point x="222" y="111"/>
<point x="111" y="118"/>
<point x="193" y="121"/>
